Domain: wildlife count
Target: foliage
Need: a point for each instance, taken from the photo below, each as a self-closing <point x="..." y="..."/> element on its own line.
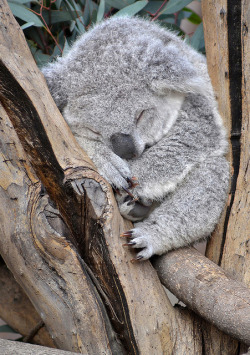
<point x="50" y="26"/>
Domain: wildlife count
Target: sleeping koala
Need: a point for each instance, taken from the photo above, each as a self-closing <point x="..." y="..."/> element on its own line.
<point x="140" y="103"/>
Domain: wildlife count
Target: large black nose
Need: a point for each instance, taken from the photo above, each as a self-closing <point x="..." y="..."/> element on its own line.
<point x="123" y="145"/>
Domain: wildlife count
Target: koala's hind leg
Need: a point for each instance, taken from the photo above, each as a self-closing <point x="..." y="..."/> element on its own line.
<point x="188" y="214"/>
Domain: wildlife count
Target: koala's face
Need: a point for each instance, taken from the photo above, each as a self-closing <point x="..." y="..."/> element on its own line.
<point x="127" y="121"/>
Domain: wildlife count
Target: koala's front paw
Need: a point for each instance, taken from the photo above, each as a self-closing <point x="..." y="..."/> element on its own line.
<point x="116" y="172"/>
<point x="132" y="209"/>
<point x="146" y="239"/>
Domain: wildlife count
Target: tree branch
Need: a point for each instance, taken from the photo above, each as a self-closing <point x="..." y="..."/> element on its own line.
<point x="206" y="289"/>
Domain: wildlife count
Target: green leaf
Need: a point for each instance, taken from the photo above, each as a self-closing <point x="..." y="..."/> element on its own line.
<point x="194" y="18"/>
<point x="19" y="2"/>
<point x="58" y="4"/>
<point x="26" y="25"/>
<point x="132" y="10"/>
<point x="101" y="10"/>
<point x="55" y="16"/>
<point x="66" y="48"/>
<point x="153" y="6"/>
<point x="119" y="4"/>
<point x="25" y="14"/>
<point x="197" y="40"/>
<point x="80" y="25"/>
<point x="175" y="6"/>
<point x="41" y="58"/>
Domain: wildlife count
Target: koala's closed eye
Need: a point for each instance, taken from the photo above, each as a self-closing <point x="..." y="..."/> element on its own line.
<point x="140" y="116"/>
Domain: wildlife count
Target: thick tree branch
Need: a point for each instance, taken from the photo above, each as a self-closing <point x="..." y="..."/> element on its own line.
<point x="207" y="290"/>
<point x="17" y="311"/>
<point x="11" y="347"/>
<point x="79" y="272"/>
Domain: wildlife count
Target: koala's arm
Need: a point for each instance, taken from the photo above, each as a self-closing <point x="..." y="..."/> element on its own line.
<point x="197" y="134"/>
<point x="186" y="215"/>
<point x="114" y="169"/>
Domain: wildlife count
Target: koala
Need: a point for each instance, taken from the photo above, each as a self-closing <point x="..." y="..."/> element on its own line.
<point x="140" y="103"/>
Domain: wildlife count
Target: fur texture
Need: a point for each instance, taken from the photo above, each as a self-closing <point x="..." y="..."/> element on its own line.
<point x="140" y="103"/>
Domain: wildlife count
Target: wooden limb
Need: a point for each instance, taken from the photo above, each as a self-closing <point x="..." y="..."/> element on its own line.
<point x="207" y="290"/>
<point x="17" y="348"/>
<point x="17" y="310"/>
<point x="227" y="38"/>
<point x="78" y="277"/>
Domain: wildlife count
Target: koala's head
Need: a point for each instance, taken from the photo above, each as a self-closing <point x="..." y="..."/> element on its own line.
<point x="123" y="83"/>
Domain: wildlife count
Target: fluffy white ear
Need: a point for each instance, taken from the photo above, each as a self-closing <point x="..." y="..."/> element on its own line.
<point x="176" y="72"/>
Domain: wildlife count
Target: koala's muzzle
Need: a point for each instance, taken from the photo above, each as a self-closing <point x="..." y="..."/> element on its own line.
<point x="123" y="145"/>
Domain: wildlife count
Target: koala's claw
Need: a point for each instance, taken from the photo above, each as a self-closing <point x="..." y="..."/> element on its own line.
<point x="127" y="234"/>
<point x="142" y="241"/>
<point x="134" y="260"/>
<point x="129" y="193"/>
<point x="128" y="244"/>
<point x="133" y="182"/>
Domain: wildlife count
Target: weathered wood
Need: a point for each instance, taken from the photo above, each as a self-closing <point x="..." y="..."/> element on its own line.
<point x="42" y="261"/>
<point x="17" y="310"/>
<point x="236" y="255"/>
<point x="214" y="14"/>
<point x="226" y="25"/>
<point x="207" y="290"/>
<point x="8" y="347"/>
<point x="88" y="207"/>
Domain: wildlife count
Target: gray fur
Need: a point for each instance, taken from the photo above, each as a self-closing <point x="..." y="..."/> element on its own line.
<point x="140" y="102"/>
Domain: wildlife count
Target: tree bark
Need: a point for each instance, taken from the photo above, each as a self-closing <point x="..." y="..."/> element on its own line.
<point x="207" y="290"/>
<point x="84" y="304"/>
<point x="8" y="347"/>
<point x="227" y="38"/>
<point x="17" y="310"/>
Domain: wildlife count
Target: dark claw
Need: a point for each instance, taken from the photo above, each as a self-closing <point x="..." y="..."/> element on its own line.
<point x="116" y="190"/>
<point x="133" y="182"/>
<point x="128" y="192"/>
<point x="127" y="234"/>
<point x="129" y="244"/>
<point x="136" y="259"/>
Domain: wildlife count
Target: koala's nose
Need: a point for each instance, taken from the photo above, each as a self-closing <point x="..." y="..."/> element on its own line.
<point x="123" y="145"/>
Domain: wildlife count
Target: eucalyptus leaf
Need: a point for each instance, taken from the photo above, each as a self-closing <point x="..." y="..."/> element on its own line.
<point x="80" y="25"/>
<point x="93" y="16"/>
<point x="66" y="48"/>
<point x="175" y="6"/>
<point x="27" y="25"/>
<point x="194" y="18"/>
<point x="197" y="40"/>
<point x="19" y="2"/>
<point x="132" y="10"/>
<point x="56" y="16"/>
<point x="101" y="11"/>
<point x="154" y="6"/>
<point x="119" y="4"/>
<point x="25" y="14"/>
<point x="58" y="3"/>
<point x="41" y="58"/>
<point x="72" y="26"/>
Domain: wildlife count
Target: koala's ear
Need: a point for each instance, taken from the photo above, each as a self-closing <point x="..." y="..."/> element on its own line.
<point x="176" y="72"/>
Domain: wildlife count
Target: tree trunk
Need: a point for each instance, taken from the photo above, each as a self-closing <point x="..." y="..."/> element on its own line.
<point x="60" y="232"/>
<point x="227" y="39"/>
